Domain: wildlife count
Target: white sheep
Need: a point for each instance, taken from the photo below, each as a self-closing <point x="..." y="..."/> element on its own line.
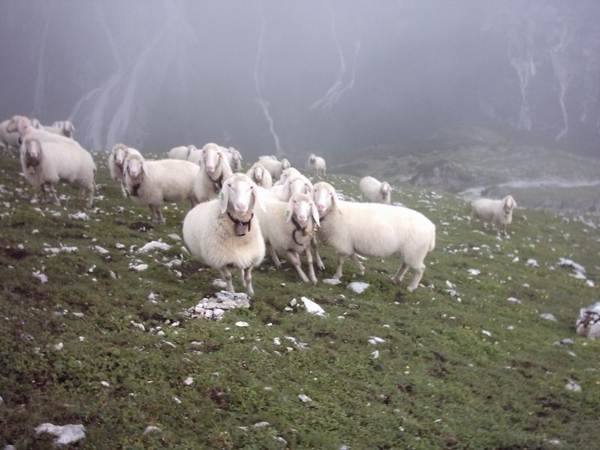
<point x="116" y="160"/>
<point x="234" y="157"/>
<point x="47" y="163"/>
<point x="274" y="166"/>
<point x="296" y="184"/>
<point x="316" y="164"/>
<point x="8" y="139"/>
<point x="497" y="211"/>
<point x="62" y="127"/>
<point x="26" y="127"/>
<point x="375" y="191"/>
<point x="225" y="231"/>
<point x="288" y="228"/>
<point x="373" y="229"/>
<point x="182" y="152"/>
<point x="260" y="175"/>
<point x="286" y="174"/>
<point x="214" y="171"/>
<point x="153" y="183"/>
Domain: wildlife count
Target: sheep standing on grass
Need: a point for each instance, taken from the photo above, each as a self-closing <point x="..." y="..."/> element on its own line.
<point x="214" y="171"/>
<point x="46" y="163"/>
<point x="116" y="160"/>
<point x="316" y="164"/>
<point x="153" y="183"/>
<point x="288" y="228"/>
<point x="225" y="231"/>
<point x="274" y="166"/>
<point x="373" y="229"/>
<point x="497" y="211"/>
<point x="375" y="191"/>
<point x="260" y="175"/>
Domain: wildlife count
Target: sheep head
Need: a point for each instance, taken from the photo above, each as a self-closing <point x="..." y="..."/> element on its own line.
<point x="33" y="154"/>
<point x="302" y="207"/>
<point x="325" y="198"/>
<point x="508" y="204"/>
<point x="135" y="167"/>
<point x="242" y="193"/>
<point x="210" y="157"/>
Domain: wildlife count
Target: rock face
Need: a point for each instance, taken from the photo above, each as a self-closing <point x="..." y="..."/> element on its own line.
<point x="289" y="77"/>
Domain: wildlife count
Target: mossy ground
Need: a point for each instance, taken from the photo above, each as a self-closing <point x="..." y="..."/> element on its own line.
<point x="465" y="371"/>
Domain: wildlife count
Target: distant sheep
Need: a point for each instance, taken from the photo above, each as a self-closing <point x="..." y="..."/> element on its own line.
<point x="234" y="157"/>
<point x="260" y="175"/>
<point x="182" y="152"/>
<point x="274" y="166"/>
<point x="316" y="164"/>
<point x="372" y="229"/>
<point x="225" y="231"/>
<point x="153" y="183"/>
<point x="214" y="171"/>
<point x="497" y="211"/>
<point x="375" y="191"/>
<point x="288" y="228"/>
<point x="62" y="127"/>
<point x="116" y="160"/>
<point x="46" y="163"/>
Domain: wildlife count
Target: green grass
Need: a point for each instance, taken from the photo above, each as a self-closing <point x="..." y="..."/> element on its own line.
<point x="470" y="371"/>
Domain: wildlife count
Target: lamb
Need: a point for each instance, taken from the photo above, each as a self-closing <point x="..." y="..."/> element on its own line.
<point x="316" y="164"/>
<point x="153" y="183"/>
<point x="260" y="175"/>
<point x="234" y="157"/>
<point x="116" y="160"/>
<point x="214" y="171"/>
<point x="182" y="152"/>
<point x="47" y="163"/>
<point x="375" y="191"/>
<point x="274" y="166"/>
<point x="497" y="211"/>
<point x="373" y="229"/>
<point x="225" y="231"/>
<point x="288" y="228"/>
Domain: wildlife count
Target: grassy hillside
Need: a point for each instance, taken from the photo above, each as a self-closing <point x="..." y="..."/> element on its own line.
<point x="457" y="365"/>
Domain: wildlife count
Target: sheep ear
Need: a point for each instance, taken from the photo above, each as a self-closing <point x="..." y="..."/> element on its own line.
<point x="335" y="201"/>
<point x="311" y="189"/>
<point x="258" y="198"/>
<point x="315" y="213"/>
<point x="224" y="196"/>
<point x="289" y="210"/>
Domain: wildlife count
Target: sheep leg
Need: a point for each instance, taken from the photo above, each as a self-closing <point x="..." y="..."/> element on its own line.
<point x="123" y="190"/>
<point x="274" y="257"/>
<point x="247" y="280"/>
<point x="417" y="278"/>
<point x="311" y="268"/>
<point x="340" y="263"/>
<point x="43" y="189"/>
<point x="193" y="200"/>
<point x="313" y="244"/>
<point x="226" y="275"/>
<point x="400" y="273"/>
<point x="90" y="199"/>
<point x="295" y="260"/>
<point x="357" y="263"/>
<point x="53" y="193"/>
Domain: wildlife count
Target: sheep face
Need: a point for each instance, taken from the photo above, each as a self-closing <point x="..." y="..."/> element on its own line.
<point x="33" y="154"/>
<point x="300" y="185"/>
<point x="385" y="188"/>
<point x="325" y="198"/>
<point x="210" y="157"/>
<point x="508" y="204"/>
<point x="16" y="124"/>
<point x="302" y="207"/>
<point x="135" y="167"/>
<point x="242" y="193"/>
<point x="119" y="153"/>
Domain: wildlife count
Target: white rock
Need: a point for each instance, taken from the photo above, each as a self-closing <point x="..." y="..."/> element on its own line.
<point x="152" y="429"/>
<point x="358" y="286"/>
<point x="304" y="398"/>
<point x="331" y="281"/>
<point x="105" y="383"/>
<point x="242" y="324"/>
<point x="513" y="300"/>
<point x="312" y="307"/>
<point x="532" y="263"/>
<point x="154" y="245"/>
<point x="487" y="333"/>
<point x="139" y="267"/>
<point x="375" y="340"/>
<point x="59" y="346"/>
<point x="175" y="237"/>
<point x="572" y="386"/>
<point x="65" y="434"/>
<point x="474" y="272"/>
<point x="548" y="316"/>
<point x="40" y="276"/>
<point x="188" y="381"/>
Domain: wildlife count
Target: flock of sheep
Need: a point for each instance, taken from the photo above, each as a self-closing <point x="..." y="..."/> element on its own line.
<point x="235" y="217"/>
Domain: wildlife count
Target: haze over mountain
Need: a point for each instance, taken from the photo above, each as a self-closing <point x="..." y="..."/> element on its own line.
<point x="291" y="78"/>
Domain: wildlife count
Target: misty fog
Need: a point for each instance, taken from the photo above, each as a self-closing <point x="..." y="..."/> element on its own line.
<point x="295" y="77"/>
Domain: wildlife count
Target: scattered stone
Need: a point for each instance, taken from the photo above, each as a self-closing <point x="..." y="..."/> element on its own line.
<point x="312" y="307"/>
<point x="358" y="286"/>
<point x="548" y="316"/>
<point x="213" y="308"/>
<point x="572" y="386"/>
<point x="331" y="281"/>
<point x="65" y="434"/>
<point x="154" y="245"/>
<point x="513" y="300"/>
<point x="188" y="381"/>
<point x="304" y="398"/>
<point x="151" y="429"/>
<point x="242" y="324"/>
